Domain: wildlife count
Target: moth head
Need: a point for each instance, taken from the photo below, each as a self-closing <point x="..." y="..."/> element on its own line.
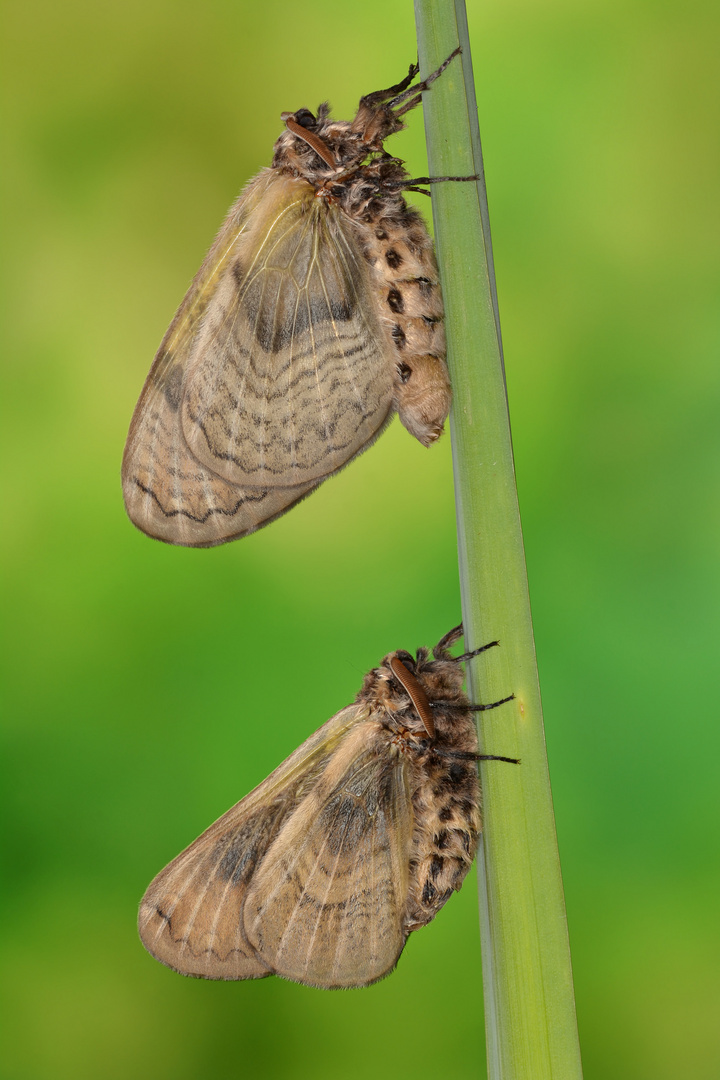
<point x="386" y="686"/>
<point x="306" y="143"/>
<point x="423" y="396"/>
<point x="306" y="148"/>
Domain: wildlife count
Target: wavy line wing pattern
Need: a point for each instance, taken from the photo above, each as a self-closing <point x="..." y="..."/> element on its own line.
<point x="273" y="375"/>
<point x="306" y="877"/>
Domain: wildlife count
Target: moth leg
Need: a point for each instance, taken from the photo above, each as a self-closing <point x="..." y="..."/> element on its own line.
<point x="494" y="705"/>
<point x="450" y="705"/>
<point x="379" y="96"/>
<point x="441" y="650"/>
<point x="409" y="184"/>
<point x="465" y="755"/>
<point x="475" y="652"/>
<point x="418" y="89"/>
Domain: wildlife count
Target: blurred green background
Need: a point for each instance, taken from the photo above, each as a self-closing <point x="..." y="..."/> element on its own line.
<point x="148" y="688"/>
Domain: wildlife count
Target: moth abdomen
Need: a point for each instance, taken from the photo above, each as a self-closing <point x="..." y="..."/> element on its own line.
<point x="442" y="862"/>
<point x="399" y="251"/>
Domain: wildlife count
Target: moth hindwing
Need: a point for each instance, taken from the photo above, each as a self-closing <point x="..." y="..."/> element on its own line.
<point x="316" y="314"/>
<point x="357" y="839"/>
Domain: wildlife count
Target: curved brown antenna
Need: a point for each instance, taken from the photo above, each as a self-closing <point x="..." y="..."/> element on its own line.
<point x="313" y="140"/>
<point x="417" y="694"/>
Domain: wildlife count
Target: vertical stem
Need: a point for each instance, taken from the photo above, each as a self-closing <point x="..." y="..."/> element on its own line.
<point x="527" y="977"/>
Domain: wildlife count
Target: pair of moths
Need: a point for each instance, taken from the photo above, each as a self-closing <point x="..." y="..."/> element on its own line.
<point x="316" y="314"/>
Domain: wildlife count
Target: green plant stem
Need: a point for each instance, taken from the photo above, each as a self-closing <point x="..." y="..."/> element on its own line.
<point x="527" y="976"/>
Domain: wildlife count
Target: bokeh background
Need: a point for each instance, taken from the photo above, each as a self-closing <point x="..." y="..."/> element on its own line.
<point x="148" y="688"/>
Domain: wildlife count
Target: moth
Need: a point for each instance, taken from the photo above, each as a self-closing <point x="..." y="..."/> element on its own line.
<point x="360" y="837"/>
<point x="315" y="316"/>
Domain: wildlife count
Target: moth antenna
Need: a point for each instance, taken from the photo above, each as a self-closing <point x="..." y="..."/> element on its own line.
<point x="416" y="693"/>
<point x="494" y="705"/>
<point x="314" y="141"/>
<point x="498" y="757"/>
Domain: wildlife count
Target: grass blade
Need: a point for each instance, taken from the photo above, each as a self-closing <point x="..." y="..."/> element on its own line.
<point x="527" y="976"/>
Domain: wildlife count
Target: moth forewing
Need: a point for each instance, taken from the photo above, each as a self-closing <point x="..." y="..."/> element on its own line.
<point x="326" y="906"/>
<point x="307" y="395"/>
<point x="315" y="315"/>
<point x="356" y="840"/>
<point x="190" y="916"/>
<point x="170" y="492"/>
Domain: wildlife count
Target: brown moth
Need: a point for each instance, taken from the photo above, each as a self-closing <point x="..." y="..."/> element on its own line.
<point x="316" y="314"/>
<point x="356" y="840"/>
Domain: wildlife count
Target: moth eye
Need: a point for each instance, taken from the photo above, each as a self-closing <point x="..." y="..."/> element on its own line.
<point x="305" y="118"/>
<point x="407" y="659"/>
<point x="404" y="371"/>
